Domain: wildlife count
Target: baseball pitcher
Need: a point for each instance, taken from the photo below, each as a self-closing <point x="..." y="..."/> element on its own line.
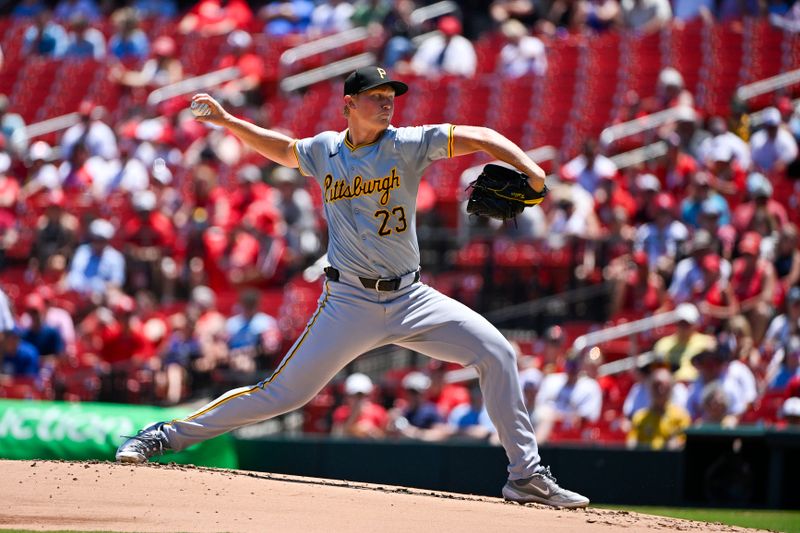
<point x="369" y="175"/>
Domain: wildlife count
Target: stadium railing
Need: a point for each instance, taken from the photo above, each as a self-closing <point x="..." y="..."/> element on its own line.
<point x="629" y="328"/>
<point x="768" y="85"/>
<point x="614" y="133"/>
<point x="321" y="45"/>
<point x="190" y="85"/>
<point x="319" y="74"/>
<point x="338" y="41"/>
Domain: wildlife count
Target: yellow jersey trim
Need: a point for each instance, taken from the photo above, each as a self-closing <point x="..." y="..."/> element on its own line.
<point x="451" y="144"/>
<point x="275" y="374"/>
<point x="353" y="147"/>
<point x="297" y="156"/>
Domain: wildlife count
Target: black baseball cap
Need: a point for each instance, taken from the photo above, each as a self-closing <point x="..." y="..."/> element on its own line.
<point x="367" y="78"/>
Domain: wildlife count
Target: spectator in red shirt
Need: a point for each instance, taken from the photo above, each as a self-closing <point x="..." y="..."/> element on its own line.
<point x="753" y="282"/>
<point x="359" y="416"/>
<point x="121" y="332"/>
<point x="9" y="192"/>
<point x="230" y="257"/>
<point x="761" y="213"/>
<point x="671" y="90"/>
<point x="216" y="17"/>
<point x="445" y="395"/>
<point x="76" y="174"/>
<point x="56" y="231"/>
<point x="639" y="290"/>
<point x="230" y="205"/>
<point x="608" y="197"/>
<point x="150" y="239"/>
<point x="553" y="353"/>
<point x="117" y="345"/>
<point x="730" y="176"/>
<point x="631" y="108"/>
<point x="150" y="228"/>
<point x="714" y="295"/>
<point x="248" y="88"/>
<point x="678" y="166"/>
<point x="645" y="189"/>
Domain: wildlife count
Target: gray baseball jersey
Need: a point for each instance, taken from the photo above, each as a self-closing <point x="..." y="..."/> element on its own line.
<point x="370" y="194"/>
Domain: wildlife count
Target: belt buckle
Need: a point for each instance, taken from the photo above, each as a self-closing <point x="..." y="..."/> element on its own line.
<point x="387" y="280"/>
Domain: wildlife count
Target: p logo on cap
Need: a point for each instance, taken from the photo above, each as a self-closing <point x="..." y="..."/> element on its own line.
<point x="368" y="78"/>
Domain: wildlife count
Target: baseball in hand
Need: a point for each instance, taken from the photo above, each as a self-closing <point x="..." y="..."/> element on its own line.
<point x="200" y="109"/>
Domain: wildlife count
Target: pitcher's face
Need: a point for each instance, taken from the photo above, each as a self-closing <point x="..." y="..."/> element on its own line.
<point x="374" y="106"/>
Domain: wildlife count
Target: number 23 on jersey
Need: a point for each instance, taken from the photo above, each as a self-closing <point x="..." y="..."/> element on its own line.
<point x="394" y="220"/>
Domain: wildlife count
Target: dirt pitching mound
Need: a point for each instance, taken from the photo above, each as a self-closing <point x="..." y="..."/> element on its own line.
<point x="87" y="496"/>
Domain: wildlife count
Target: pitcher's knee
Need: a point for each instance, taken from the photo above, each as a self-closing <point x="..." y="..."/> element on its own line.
<point x="499" y="354"/>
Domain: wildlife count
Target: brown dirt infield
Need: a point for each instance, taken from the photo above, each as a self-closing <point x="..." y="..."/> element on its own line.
<point x="102" y="496"/>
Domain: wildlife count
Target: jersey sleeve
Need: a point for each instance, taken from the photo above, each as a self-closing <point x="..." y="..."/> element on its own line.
<point x="312" y="153"/>
<point x="422" y="145"/>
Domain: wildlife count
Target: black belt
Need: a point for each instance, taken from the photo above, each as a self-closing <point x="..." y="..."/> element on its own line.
<point x="381" y="285"/>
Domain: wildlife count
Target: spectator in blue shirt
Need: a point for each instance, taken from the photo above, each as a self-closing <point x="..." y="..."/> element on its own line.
<point x="45" y="37"/>
<point x="13" y="132"/>
<point x="96" y="265"/>
<point x="28" y="8"/>
<point x="67" y="9"/>
<point x="788" y="365"/>
<point x="472" y="419"/>
<point x="85" y="42"/>
<point x="687" y="10"/>
<point x="156" y="8"/>
<point x="181" y="350"/>
<point x="287" y="16"/>
<point x="18" y="358"/>
<point x="252" y="334"/>
<point x="46" y="339"/>
<point x="419" y="411"/>
<point x="129" y="41"/>
<point x="703" y="195"/>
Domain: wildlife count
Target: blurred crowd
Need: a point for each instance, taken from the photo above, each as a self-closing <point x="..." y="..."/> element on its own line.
<point x="689" y="379"/>
<point x="140" y="249"/>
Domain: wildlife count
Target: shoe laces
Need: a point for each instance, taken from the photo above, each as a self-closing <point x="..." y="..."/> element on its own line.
<point x="544" y="471"/>
<point x="148" y="441"/>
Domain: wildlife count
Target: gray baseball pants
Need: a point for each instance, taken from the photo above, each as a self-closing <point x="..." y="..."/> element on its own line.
<point x="351" y="320"/>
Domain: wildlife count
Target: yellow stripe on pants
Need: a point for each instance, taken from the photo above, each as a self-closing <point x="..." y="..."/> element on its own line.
<point x="275" y="374"/>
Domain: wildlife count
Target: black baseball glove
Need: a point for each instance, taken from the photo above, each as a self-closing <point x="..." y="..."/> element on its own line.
<point x="501" y="193"/>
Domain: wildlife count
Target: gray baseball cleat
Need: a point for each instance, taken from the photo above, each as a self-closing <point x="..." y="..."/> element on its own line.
<point x="148" y="442"/>
<point x="542" y="488"/>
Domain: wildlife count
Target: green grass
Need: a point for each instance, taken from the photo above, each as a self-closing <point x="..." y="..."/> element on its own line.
<point x="784" y="521"/>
